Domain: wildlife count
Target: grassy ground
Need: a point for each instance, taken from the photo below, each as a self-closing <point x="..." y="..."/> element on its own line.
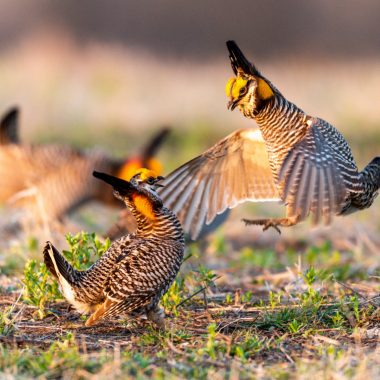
<point x="236" y="311"/>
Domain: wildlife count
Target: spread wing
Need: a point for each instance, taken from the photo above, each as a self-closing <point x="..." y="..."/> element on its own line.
<point x="317" y="176"/>
<point x="233" y="171"/>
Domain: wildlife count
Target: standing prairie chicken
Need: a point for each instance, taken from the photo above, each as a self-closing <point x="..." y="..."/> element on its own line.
<point x="51" y="180"/>
<point x="137" y="270"/>
<point x="297" y="159"/>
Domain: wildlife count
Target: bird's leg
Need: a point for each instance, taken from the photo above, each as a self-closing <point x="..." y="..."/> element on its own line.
<point x="273" y="222"/>
<point x="157" y="315"/>
<point x="99" y="312"/>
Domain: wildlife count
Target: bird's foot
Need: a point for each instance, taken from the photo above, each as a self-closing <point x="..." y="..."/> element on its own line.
<point x="158" y="317"/>
<point x="266" y="223"/>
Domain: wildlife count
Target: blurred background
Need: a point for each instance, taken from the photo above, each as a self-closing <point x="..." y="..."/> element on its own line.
<point x="107" y="74"/>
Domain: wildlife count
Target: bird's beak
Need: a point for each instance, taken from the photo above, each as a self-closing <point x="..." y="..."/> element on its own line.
<point x="117" y="183"/>
<point x="231" y="105"/>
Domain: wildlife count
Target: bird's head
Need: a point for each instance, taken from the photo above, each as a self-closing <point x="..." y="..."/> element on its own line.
<point x="144" y="181"/>
<point x="139" y="191"/>
<point x="248" y="90"/>
<point x="131" y="166"/>
<point x="147" y="179"/>
<point x="146" y="157"/>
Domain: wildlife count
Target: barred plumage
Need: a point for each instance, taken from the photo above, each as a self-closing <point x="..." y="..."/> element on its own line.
<point x="300" y="160"/>
<point x="131" y="277"/>
<point x="51" y="180"/>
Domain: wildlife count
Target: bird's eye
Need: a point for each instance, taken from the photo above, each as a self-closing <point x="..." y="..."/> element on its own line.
<point x="150" y="180"/>
<point x="243" y="90"/>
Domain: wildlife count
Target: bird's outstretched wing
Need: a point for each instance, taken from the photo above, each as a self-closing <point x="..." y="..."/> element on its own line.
<point x="233" y="171"/>
<point x="316" y="176"/>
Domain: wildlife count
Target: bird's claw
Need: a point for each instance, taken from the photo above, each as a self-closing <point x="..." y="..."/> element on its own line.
<point x="266" y="223"/>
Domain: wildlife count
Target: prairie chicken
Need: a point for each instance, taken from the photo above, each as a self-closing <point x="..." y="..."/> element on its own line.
<point x="52" y="180"/>
<point x="297" y="159"/>
<point x="137" y="270"/>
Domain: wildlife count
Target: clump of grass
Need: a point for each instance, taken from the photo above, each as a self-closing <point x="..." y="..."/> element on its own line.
<point x="248" y="345"/>
<point x="41" y="288"/>
<point x="7" y="321"/>
<point x="84" y="249"/>
<point x="174" y="296"/>
<point x="213" y="345"/>
<point x="188" y="286"/>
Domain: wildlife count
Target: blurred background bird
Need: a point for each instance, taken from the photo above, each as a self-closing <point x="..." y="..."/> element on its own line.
<point x="48" y="181"/>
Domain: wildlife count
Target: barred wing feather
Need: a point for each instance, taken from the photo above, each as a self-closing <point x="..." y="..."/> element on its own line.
<point x="315" y="177"/>
<point x="233" y="171"/>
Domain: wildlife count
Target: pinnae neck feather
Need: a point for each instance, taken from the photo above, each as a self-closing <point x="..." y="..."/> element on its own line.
<point x="144" y="206"/>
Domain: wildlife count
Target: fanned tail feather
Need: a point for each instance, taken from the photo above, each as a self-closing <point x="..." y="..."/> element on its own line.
<point x="57" y="264"/>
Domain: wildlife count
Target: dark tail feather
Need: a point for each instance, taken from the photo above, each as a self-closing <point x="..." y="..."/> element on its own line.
<point x="9" y="127"/>
<point x="238" y="60"/>
<point x="51" y="256"/>
<point x="371" y="173"/>
<point x="154" y="144"/>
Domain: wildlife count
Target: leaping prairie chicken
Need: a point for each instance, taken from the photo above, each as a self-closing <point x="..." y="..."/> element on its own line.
<point x="137" y="270"/>
<point x="297" y="159"/>
<point x="51" y="180"/>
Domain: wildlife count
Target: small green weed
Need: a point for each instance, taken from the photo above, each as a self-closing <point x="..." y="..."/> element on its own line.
<point x="174" y="296"/>
<point x="40" y="287"/>
<point x="229" y="299"/>
<point x="84" y="249"/>
<point x="246" y="297"/>
<point x="248" y="346"/>
<point x="213" y="345"/>
<point x="295" y="326"/>
<point x="6" y="321"/>
<point x="205" y="276"/>
<point x="274" y="299"/>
